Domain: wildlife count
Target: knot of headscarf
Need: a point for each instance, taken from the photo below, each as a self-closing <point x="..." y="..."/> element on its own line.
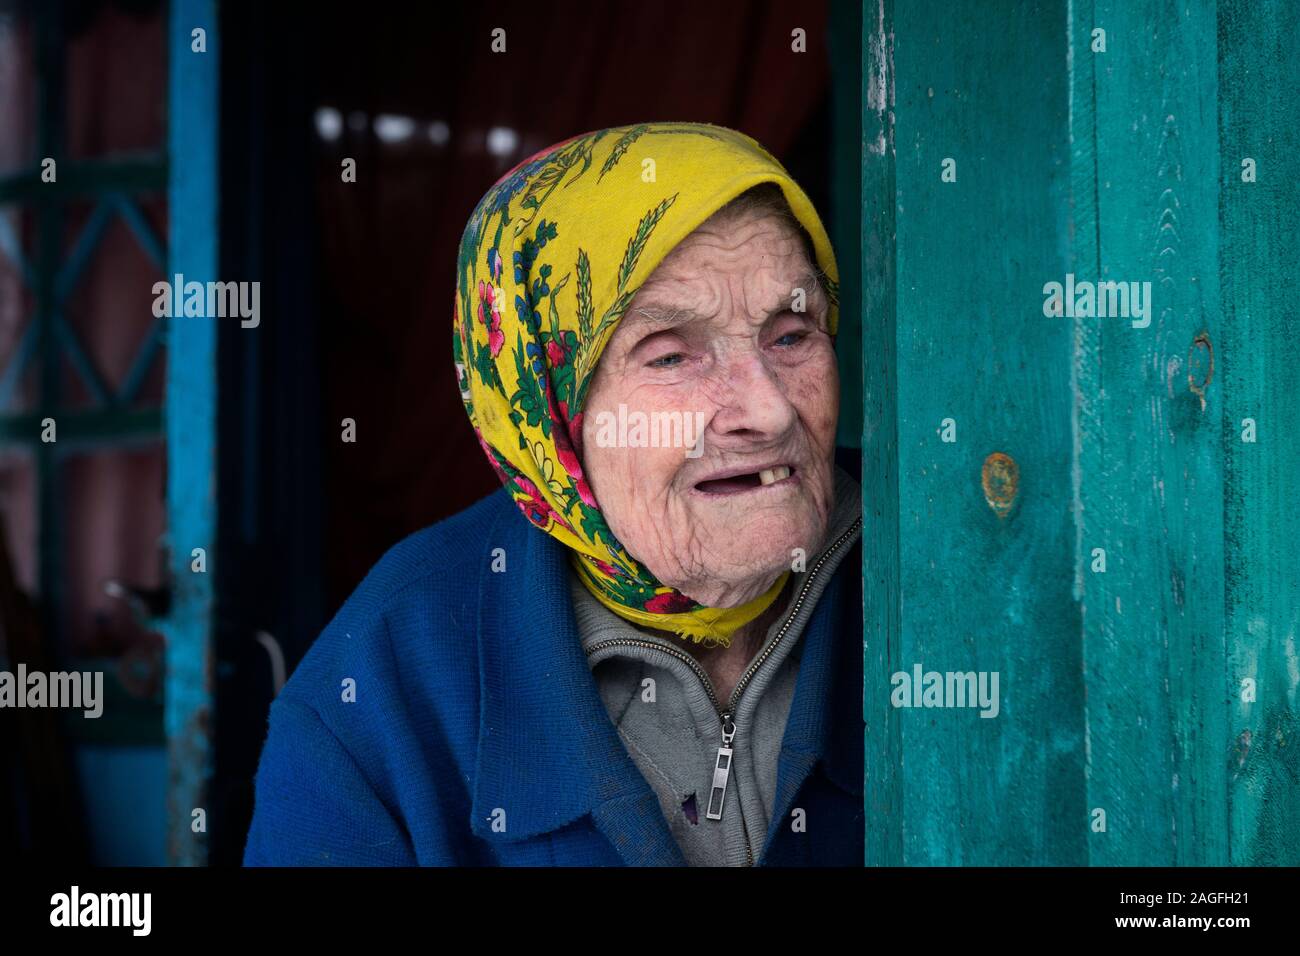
<point x="548" y="263"/>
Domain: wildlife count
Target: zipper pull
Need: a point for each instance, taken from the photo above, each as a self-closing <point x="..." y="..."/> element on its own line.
<point x="721" y="769"/>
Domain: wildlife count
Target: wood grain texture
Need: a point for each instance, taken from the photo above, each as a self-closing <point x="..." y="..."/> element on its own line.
<point x="986" y="583"/>
<point x="1259" y="78"/>
<point x="880" y="593"/>
<point x="1149" y="444"/>
<point x="1122" y="689"/>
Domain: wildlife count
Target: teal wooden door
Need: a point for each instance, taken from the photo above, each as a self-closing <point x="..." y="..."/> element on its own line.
<point x="1088" y="503"/>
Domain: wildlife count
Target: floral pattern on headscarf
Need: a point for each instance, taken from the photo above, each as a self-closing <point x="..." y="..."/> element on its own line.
<point x="548" y="264"/>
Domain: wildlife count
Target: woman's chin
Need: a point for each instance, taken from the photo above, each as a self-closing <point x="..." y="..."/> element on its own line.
<point x="732" y="594"/>
<point x="740" y="575"/>
<point x="764" y="543"/>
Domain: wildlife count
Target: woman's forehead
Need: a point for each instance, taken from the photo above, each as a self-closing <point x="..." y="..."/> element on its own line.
<point x="742" y="233"/>
<point x="769" y="283"/>
<point x="757" y="245"/>
<point x="662" y="312"/>
<point x="677" y="302"/>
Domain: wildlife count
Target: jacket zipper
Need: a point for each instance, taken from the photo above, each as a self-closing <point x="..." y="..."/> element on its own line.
<point x="722" y="762"/>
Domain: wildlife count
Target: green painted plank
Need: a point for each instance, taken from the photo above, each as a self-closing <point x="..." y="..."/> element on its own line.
<point x="880" y="592"/>
<point x="1150" y="456"/>
<point x="1122" y="165"/>
<point x="983" y="591"/>
<point x="1259" y="365"/>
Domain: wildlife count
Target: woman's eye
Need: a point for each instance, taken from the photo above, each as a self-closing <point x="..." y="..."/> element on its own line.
<point x="668" y="361"/>
<point x="791" y="338"/>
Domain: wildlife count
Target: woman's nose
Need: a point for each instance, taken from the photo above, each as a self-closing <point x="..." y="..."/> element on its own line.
<point x="752" y="401"/>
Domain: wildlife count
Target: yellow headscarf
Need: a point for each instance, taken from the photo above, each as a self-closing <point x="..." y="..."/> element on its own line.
<point x="548" y="263"/>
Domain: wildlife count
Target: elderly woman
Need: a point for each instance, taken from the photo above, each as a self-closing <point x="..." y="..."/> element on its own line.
<point x="666" y="667"/>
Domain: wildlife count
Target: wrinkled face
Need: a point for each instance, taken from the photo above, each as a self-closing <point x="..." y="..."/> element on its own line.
<point x="713" y="336"/>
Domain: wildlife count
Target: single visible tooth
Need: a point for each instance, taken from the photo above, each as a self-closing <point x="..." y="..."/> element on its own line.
<point x="767" y="476"/>
<point x="781" y="473"/>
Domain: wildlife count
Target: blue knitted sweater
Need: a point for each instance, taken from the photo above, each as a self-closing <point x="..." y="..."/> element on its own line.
<point x="447" y="716"/>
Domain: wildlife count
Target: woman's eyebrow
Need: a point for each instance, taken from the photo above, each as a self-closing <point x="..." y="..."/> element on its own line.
<point x="660" y="316"/>
<point x="811" y="288"/>
<point x="655" y="315"/>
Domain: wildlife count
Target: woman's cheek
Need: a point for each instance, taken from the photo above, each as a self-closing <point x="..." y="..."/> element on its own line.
<point x="598" y="462"/>
<point x="814" y="388"/>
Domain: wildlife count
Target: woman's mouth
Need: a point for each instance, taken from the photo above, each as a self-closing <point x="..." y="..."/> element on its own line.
<point x="743" y="482"/>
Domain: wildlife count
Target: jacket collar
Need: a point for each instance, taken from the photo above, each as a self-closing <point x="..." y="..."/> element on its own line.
<point x="817" y="733"/>
<point x="828" y="692"/>
<point x="548" y="754"/>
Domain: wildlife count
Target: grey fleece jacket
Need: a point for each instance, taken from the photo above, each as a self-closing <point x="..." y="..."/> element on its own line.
<point x="672" y="727"/>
